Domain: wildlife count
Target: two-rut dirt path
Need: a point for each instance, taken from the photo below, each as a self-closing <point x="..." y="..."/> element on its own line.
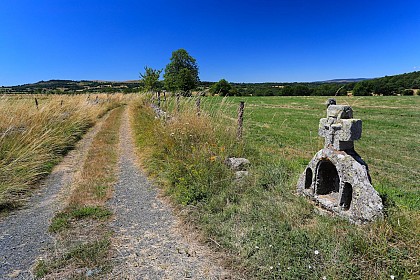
<point x="24" y="233"/>
<point x="146" y="243"/>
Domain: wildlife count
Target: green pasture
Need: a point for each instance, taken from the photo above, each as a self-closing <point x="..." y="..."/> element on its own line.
<point x="287" y="127"/>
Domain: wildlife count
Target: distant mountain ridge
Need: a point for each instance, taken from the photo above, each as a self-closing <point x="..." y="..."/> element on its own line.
<point x="342" y="81"/>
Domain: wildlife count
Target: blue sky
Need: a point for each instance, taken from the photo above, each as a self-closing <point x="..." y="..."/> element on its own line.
<point x="241" y="41"/>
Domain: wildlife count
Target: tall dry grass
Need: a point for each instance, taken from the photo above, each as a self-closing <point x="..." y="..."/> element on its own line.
<point x="34" y="138"/>
<point x="186" y="151"/>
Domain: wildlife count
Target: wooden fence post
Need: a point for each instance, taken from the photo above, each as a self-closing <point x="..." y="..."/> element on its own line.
<point x="158" y="94"/>
<point x="177" y="102"/>
<point x="36" y="103"/>
<point x="198" y="103"/>
<point x="240" y="119"/>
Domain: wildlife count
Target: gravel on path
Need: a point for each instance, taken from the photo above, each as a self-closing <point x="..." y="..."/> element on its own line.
<point x="24" y="233"/>
<point x="146" y="244"/>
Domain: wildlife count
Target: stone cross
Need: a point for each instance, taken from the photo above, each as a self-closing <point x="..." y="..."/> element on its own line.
<point x="339" y="128"/>
<point x="337" y="178"/>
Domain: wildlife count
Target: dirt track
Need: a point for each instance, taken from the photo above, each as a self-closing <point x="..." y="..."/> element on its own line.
<point x="147" y="243"/>
<point x="24" y="233"/>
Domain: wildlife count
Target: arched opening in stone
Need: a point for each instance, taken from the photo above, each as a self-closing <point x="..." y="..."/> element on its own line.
<point x="308" y="178"/>
<point x="346" y="196"/>
<point x="327" y="178"/>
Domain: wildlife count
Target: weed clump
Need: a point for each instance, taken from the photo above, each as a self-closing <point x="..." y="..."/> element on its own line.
<point x="63" y="220"/>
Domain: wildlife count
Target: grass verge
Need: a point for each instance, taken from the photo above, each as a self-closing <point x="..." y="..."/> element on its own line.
<point x="83" y="239"/>
<point x="268" y="231"/>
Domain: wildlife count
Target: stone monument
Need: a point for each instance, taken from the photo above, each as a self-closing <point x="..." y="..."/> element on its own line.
<point x="337" y="178"/>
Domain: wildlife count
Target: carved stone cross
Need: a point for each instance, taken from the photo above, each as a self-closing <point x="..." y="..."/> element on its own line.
<point x="339" y="128"/>
<point x="337" y="178"/>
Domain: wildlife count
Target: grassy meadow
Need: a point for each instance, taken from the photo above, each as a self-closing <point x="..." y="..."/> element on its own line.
<point x="287" y="127"/>
<point x="266" y="230"/>
<point x="36" y="131"/>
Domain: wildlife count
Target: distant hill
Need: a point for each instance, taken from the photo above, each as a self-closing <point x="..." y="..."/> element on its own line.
<point x="69" y="86"/>
<point x="402" y="84"/>
<point x="344" y="81"/>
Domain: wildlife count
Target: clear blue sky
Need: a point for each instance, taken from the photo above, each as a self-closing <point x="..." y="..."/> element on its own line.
<point x="241" y="41"/>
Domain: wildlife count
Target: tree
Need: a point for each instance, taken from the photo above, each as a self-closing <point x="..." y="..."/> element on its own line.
<point x="363" y="88"/>
<point x="416" y="83"/>
<point x="150" y="78"/>
<point x="181" y="74"/>
<point x="222" y="87"/>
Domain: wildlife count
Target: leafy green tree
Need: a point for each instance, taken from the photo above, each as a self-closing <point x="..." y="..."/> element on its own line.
<point x="181" y="74"/>
<point x="416" y="83"/>
<point x="363" y="88"/>
<point x="222" y="87"/>
<point x="150" y="78"/>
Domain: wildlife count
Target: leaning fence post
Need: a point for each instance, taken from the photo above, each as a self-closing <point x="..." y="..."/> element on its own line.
<point x="36" y="103"/>
<point x="240" y="119"/>
<point x="198" y="103"/>
<point x="158" y="94"/>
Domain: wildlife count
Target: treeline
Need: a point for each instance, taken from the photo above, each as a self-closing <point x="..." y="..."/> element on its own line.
<point x="403" y="84"/>
<point x="389" y="85"/>
<point x="70" y="87"/>
<point x="292" y="89"/>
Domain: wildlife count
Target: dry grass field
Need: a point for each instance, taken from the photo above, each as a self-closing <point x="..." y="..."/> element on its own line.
<point x="36" y="131"/>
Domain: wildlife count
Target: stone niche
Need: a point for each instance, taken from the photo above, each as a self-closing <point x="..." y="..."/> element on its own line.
<point x="337" y="178"/>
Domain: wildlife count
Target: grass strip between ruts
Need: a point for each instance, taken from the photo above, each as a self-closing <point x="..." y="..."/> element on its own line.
<point x="83" y="238"/>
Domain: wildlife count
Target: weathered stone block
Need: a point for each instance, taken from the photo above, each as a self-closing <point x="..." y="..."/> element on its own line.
<point x="351" y="130"/>
<point x="339" y="112"/>
<point x="324" y="127"/>
<point x="237" y="164"/>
